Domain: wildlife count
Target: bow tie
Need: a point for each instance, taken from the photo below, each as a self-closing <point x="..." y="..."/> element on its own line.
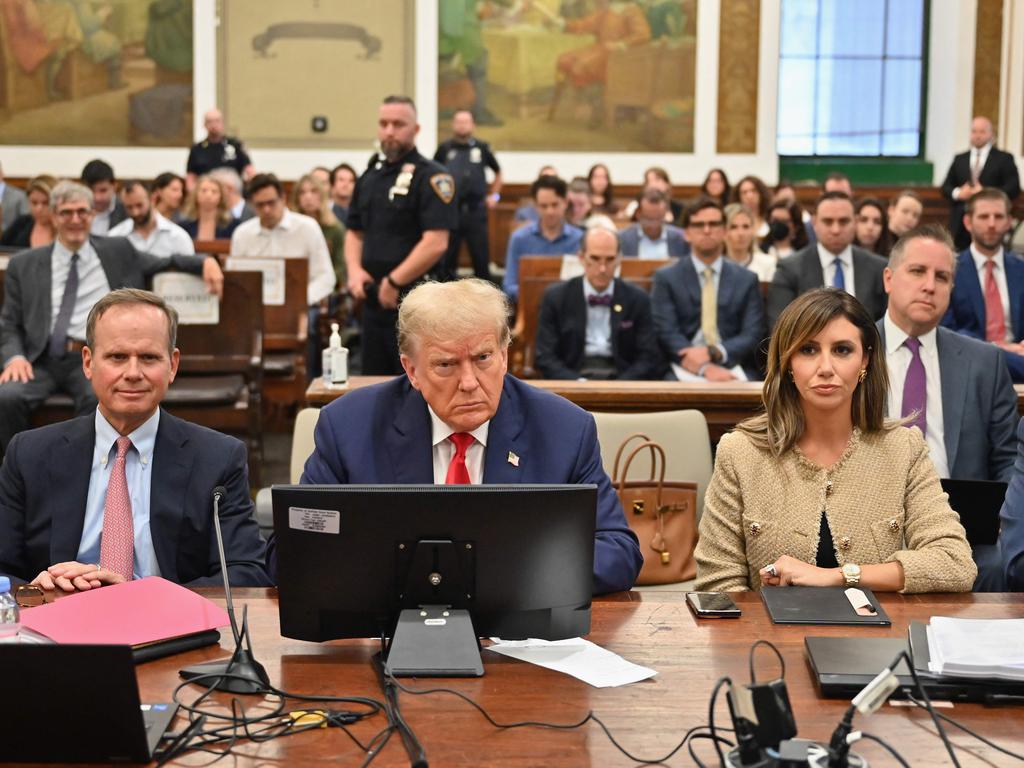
<point x="599" y="301"/>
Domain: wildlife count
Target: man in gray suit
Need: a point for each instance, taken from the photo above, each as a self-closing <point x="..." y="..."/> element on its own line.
<point x="959" y="387"/>
<point x="832" y="261"/>
<point x="651" y="237"/>
<point x="48" y="293"/>
<point x="13" y="203"/>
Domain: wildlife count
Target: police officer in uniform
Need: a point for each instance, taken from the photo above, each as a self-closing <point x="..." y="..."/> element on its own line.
<point x="217" y="151"/>
<point x="398" y="226"/>
<point x="468" y="158"/>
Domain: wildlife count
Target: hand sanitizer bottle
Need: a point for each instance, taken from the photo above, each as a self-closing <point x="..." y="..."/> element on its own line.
<point x="339" y="358"/>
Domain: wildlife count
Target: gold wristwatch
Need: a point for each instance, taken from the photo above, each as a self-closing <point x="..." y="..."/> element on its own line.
<point x="851" y="573"/>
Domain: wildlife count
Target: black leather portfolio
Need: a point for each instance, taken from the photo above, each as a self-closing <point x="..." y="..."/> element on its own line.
<point x="819" y="605"/>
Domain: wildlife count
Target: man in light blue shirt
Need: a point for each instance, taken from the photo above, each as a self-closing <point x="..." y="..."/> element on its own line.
<point x="551" y="235"/>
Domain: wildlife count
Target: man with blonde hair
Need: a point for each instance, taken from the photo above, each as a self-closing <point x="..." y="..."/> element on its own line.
<point x="456" y="417"/>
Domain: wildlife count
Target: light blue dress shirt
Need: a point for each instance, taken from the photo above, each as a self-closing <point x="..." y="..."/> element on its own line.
<point x="599" y="323"/>
<point x="716" y="275"/>
<point x="92" y="285"/>
<point x="530" y="241"/>
<point x="139" y="473"/>
<point x="653" y="249"/>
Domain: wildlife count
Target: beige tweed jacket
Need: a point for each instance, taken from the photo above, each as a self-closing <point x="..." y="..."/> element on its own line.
<point x="882" y="498"/>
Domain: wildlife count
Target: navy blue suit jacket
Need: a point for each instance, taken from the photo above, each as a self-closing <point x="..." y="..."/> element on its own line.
<point x="381" y="435"/>
<point x="1011" y="522"/>
<point x="629" y="242"/>
<point x="966" y="313"/>
<point x="675" y="300"/>
<point x="44" y="484"/>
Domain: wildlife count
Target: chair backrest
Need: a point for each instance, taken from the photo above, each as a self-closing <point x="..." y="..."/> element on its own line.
<point x="683" y="435"/>
<point x="235" y="344"/>
<point x="302" y="440"/>
<point x="285" y="325"/>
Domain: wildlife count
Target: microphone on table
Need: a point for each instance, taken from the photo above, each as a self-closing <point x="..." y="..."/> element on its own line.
<point x="241" y="673"/>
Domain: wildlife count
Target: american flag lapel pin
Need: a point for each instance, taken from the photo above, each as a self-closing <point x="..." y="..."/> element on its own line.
<point x="513" y="459"/>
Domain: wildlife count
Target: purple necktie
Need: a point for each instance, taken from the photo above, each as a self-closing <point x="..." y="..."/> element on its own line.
<point x="915" y="388"/>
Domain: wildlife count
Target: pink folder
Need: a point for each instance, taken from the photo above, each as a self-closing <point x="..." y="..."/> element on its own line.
<point x="134" y="613"/>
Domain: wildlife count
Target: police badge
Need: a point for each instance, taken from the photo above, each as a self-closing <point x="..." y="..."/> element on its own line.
<point x="475" y="155"/>
<point x="402" y="182"/>
<point x="443" y="186"/>
<point x="229" y="152"/>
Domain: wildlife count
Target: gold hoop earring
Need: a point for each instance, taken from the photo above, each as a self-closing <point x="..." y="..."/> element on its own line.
<point x="863" y="375"/>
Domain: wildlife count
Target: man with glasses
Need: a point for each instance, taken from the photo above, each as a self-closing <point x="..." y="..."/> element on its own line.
<point x="708" y="311"/>
<point x="832" y="261"/>
<point x="48" y="293"/>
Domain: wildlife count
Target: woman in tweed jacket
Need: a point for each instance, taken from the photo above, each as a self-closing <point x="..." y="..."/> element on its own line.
<point x="821" y="490"/>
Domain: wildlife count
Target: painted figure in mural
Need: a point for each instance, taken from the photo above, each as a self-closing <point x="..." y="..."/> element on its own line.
<point x="461" y="47"/>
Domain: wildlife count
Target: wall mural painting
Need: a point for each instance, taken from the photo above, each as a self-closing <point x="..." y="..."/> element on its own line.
<point x="113" y="73"/>
<point x="311" y="73"/>
<point x="586" y="75"/>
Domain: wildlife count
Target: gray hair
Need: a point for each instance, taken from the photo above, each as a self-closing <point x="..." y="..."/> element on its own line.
<point x="935" y="232"/>
<point x="228" y="177"/>
<point x="69" y="192"/>
<point x="449" y="311"/>
<point x="127" y="296"/>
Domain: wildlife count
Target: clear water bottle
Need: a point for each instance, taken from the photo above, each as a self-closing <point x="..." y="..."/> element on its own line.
<point x="10" y="617"/>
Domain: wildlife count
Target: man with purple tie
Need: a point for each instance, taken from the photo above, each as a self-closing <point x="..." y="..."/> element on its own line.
<point x="955" y="389"/>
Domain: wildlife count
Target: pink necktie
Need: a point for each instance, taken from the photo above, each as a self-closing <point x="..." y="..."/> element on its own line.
<point x="117" y="543"/>
<point x="458" y="473"/>
<point x="995" y="321"/>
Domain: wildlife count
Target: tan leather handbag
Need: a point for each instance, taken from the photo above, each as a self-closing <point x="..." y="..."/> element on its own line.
<point x="662" y="514"/>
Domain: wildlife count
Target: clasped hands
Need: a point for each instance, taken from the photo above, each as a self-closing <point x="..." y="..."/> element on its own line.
<point x="71" y="577"/>
<point x="692" y="358"/>
<point x="788" y="571"/>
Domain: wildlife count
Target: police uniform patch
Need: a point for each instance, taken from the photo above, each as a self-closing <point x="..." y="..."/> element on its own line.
<point x="443" y="186"/>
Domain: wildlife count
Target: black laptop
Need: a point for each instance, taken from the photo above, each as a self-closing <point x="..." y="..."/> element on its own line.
<point x="978" y="503"/>
<point x="76" y="703"/>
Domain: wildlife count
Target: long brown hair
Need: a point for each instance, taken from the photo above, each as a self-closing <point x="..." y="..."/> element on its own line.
<point x="782" y="424"/>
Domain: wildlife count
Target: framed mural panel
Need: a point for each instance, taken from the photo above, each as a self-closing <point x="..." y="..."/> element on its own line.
<point x="83" y="73"/>
<point x="571" y="75"/>
<point x="308" y="73"/>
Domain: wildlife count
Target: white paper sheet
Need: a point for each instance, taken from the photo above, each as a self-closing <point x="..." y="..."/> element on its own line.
<point x="577" y="657"/>
<point x="188" y="295"/>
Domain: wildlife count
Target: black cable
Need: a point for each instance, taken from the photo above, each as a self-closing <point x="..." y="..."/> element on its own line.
<point x="908" y="655"/>
<point x="413" y="747"/>
<point x="716" y="739"/>
<point x="893" y="752"/>
<point x="711" y="716"/>
<point x="778" y="655"/>
<point x="968" y="731"/>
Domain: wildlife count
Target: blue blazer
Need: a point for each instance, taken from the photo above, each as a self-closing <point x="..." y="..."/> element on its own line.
<point x="1011" y="522"/>
<point x="44" y="483"/>
<point x="675" y="300"/>
<point x="381" y="435"/>
<point x="966" y="313"/>
<point x="629" y="241"/>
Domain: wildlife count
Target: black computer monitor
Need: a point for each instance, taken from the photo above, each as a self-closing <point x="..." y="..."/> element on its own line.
<point x="517" y="561"/>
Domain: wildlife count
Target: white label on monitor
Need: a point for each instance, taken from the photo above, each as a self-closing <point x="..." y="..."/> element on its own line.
<point x="314" y="520"/>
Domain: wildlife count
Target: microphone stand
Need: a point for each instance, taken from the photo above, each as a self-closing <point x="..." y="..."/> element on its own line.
<point x="241" y="673"/>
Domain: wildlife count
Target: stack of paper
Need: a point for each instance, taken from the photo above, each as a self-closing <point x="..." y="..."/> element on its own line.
<point x="982" y="648"/>
<point x="577" y="657"/>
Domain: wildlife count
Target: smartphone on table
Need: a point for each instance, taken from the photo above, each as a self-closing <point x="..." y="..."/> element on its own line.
<point x="712" y="605"/>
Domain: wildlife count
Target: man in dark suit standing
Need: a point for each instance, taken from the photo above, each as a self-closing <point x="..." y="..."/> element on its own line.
<point x="981" y="166"/>
<point x="126" y="491"/>
<point x="988" y="298"/>
<point x="708" y="311"/>
<point x="456" y="417"/>
<point x="595" y="326"/>
<point x="832" y="261"/>
<point x="651" y="237"/>
<point x="959" y="387"/>
<point x="48" y="293"/>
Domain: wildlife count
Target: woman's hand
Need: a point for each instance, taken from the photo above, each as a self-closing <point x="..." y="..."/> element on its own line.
<point x="787" y="571"/>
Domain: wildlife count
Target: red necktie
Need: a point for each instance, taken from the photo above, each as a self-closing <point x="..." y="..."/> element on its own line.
<point x="458" y="474"/>
<point x="117" y="542"/>
<point x="995" y="321"/>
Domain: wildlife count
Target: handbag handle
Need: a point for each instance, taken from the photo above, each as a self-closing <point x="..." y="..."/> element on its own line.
<point x="622" y="447"/>
<point x="656" y="452"/>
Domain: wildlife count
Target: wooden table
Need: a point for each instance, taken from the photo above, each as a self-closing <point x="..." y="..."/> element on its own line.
<point x="652" y="628"/>
<point x="723" y="405"/>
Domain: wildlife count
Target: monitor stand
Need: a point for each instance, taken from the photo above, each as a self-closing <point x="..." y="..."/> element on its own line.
<point x="434" y="641"/>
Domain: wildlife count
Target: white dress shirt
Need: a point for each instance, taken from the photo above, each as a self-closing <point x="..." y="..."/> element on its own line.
<point x="295" y="236"/>
<point x="92" y="285"/>
<point x="444" y="450"/>
<point x="999" y="273"/>
<point x="897" y="360"/>
<point x="653" y="249"/>
<point x="599" y="322"/>
<point x="166" y="238"/>
<point x="101" y="221"/>
<point x="828" y="266"/>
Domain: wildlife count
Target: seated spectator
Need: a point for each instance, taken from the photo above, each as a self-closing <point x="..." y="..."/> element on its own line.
<point x="708" y="310"/>
<point x="579" y="208"/>
<point x="596" y="326"/>
<point x="786" y="192"/>
<point x="456" y="396"/>
<point x="821" y="489"/>
<point x="904" y="213"/>
<point x="35" y="228"/>
<point x="13" y="203"/>
<point x="231" y="183"/>
<point x="310" y="198"/>
<point x="753" y="193"/>
<point x="123" y="492"/>
<point x="108" y="212"/>
<point x="651" y="237"/>
<point x="837" y="181"/>
<point x="602" y="191"/>
<point x="205" y="214"/>
<point x="169" y="196"/>
<point x="872" y="229"/>
<point x="831" y="261"/>
<point x="716" y="186"/>
<point x="146" y="229"/>
<point x="1011" y="522"/>
<point x="323" y="175"/>
<point x="343" y="183"/>
<point x="527" y="212"/>
<point x="551" y="235"/>
<point x="739" y="243"/>
<point x="786" y="232"/>
<point x="42" y="323"/>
